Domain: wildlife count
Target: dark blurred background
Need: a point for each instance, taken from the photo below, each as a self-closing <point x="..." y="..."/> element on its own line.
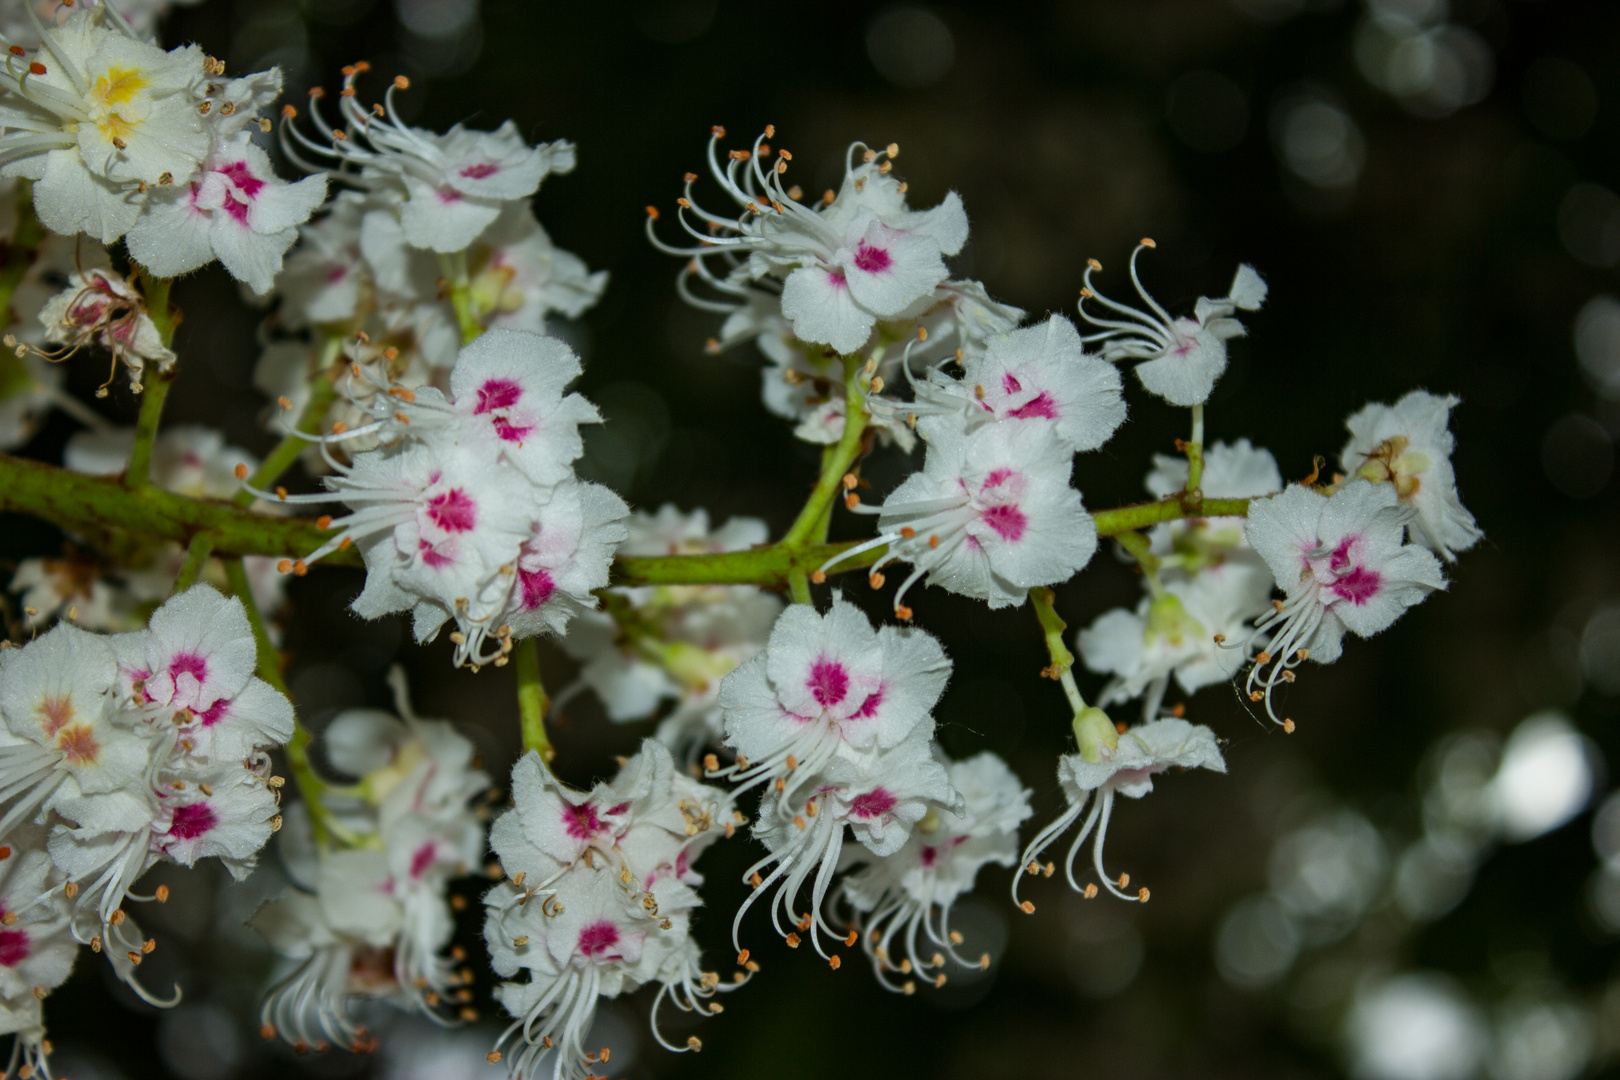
<point x="1404" y="888"/>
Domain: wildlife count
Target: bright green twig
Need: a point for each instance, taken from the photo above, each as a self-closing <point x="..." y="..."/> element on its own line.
<point x="454" y="268"/>
<point x="100" y="508"/>
<point x="837" y="464"/>
<point x="197" y="552"/>
<point x="532" y="700"/>
<point x="1052" y="626"/>
<point x="1195" y="456"/>
<point x="155" y="384"/>
<point x="310" y="785"/>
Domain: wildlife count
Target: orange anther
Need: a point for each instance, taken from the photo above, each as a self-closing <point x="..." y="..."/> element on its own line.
<point x="36" y="68"/>
<point x="241" y="472"/>
<point x="1027" y="908"/>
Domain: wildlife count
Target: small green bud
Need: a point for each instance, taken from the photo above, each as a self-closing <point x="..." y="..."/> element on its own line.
<point x="1093" y="731"/>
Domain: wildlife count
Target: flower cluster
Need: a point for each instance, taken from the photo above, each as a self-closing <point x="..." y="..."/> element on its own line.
<point x="123" y="139"/>
<point x="597" y="901"/>
<point x="372" y="919"/>
<point x="991" y="514"/>
<point x="913" y="889"/>
<point x="121" y="752"/>
<point x="469" y="509"/>
<point x="673" y="643"/>
<point x="417" y="208"/>
<point x="1204" y="585"/>
<point x="856" y="271"/>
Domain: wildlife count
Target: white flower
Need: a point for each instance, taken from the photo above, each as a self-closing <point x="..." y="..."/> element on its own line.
<point x="860" y="258"/>
<point x="1126" y="770"/>
<point x="565" y="558"/>
<point x="1409" y="445"/>
<point x="193" y="666"/>
<point x="1341" y="562"/>
<point x="880" y="794"/>
<point x="100" y="307"/>
<point x="597" y="901"/>
<point x="444" y="189"/>
<point x="236" y="210"/>
<point x="825" y="683"/>
<point x="375" y="921"/>
<point x="64" y="738"/>
<point x="1179" y="631"/>
<point x="187" y="459"/>
<point x="990" y="515"/>
<point x="37" y="947"/>
<point x="94" y="117"/>
<point x="322" y="282"/>
<point x="518" y="277"/>
<point x="914" y="888"/>
<point x="73" y="582"/>
<point x="1179" y="359"/>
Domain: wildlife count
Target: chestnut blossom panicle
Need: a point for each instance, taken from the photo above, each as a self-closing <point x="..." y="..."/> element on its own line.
<point x="902" y="902"/>
<point x="859" y="257"/>
<point x="1409" y="445"/>
<point x="372" y="921"/>
<point x="1342" y="563"/>
<point x="136" y="749"/>
<point x="597" y="901"/>
<point x="438" y="191"/>
<point x="653" y="645"/>
<point x="469" y="509"/>
<point x="1178" y="359"/>
<point x="836" y="718"/>
<point x="1117" y="765"/>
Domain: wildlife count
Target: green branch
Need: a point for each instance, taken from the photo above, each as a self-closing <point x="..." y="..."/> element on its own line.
<point x="101" y="509"/>
<point x="532" y="700"/>
<point x="835" y="465"/>
<point x="155" y="384"/>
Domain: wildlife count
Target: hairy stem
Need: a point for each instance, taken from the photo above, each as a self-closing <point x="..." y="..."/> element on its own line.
<point x="836" y="464"/>
<point x="100" y="509"/>
<point x="1052" y="626"/>
<point x="155" y="383"/>
<point x="1195" y="455"/>
<point x="197" y="552"/>
<point x="310" y="785"/>
<point x="532" y="700"/>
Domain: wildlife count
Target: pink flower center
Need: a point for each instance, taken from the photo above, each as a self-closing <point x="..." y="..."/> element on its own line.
<point x="453" y="511"/>
<point x="581" y="822"/>
<point x="432" y="556"/>
<point x="835" y="278"/>
<point x="188" y="664"/>
<point x="537" y="588"/>
<point x="1040" y="407"/>
<point x="13" y="947"/>
<point x="869" y="707"/>
<point x="422" y="859"/>
<point x="1010" y="383"/>
<point x="871" y="804"/>
<point x="238" y="173"/>
<point x="1358" y="586"/>
<point x="872" y="260"/>
<point x="480" y="170"/>
<point x="192" y="821"/>
<point x="497" y="394"/>
<point x="927" y="856"/>
<point x="828" y="682"/>
<point x="598" y="937"/>
<point x="1008" y="521"/>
